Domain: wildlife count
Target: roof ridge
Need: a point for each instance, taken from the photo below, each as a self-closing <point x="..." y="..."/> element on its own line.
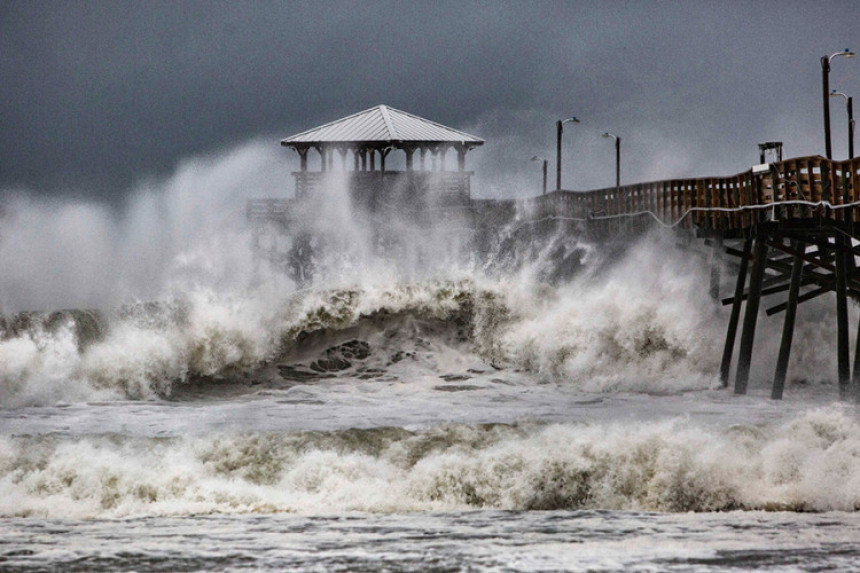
<point x="381" y="123"/>
<point x="341" y="120"/>
<point x="392" y="131"/>
<point x="430" y="121"/>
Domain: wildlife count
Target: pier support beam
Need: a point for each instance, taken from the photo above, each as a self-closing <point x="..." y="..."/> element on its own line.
<point x="842" y="346"/>
<point x="728" y="349"/>
<point x="855" y="381"/>
<point x="788" y="325"/>
<point x="751" y="314"/>
<point x="716" y="265"/>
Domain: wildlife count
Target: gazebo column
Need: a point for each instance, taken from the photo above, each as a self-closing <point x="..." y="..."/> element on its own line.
<point x="321" y="150"/>
<point x="382" y="154"/>
<point x="362" y="155"/>
<point x="355" y="159"/>
<point x="461" y="158"/>
<point x="303" y="157"/>
<point x="409" y="151"/>
<point x="434" y="159"/>
<point x="342" y="152"/>
<point x="443" y="151"/>
<point x="423" y="159"/>
<point x="372" y="159"/>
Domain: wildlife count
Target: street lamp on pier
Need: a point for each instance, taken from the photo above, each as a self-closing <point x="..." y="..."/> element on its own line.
<point x="559" y="125"/>
<point x="617" y="157"/>
<point x="825" y="84"/>
<point x="544" y="161"/>
<point x="849" y="103"/>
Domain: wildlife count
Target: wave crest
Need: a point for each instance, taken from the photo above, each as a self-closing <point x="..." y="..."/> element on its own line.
<point x="808" y="464"/>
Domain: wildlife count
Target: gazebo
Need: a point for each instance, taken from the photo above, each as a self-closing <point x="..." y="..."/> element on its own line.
<point x="375" y="133"/>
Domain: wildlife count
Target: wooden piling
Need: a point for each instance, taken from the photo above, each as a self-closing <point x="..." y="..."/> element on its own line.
<point x="855" y="381"/>
<point x="842" y="346"/>
<point x="728" y="349"/>
<point x="788" y="325"/>
<point x="751" y="313"/>
<point x="716" y="266"/>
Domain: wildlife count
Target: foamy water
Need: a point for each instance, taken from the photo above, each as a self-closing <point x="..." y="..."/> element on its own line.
<point x="412" y="409"/>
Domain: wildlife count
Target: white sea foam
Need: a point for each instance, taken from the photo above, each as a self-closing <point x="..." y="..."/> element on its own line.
<point x="643" y="323"/>
<point x="809" y="463"/>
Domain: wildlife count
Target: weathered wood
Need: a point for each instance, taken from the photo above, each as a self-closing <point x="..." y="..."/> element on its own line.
<point x="855" y="380"/>
<point x="728" y="348"/>
<point x="716" y="267"/>
<point x="788" y="325"/>
<point x="751" y="313"/>
<point x="842" y="346"/>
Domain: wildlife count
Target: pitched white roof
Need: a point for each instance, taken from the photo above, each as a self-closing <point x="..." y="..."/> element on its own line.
<point x="382" y="124"/>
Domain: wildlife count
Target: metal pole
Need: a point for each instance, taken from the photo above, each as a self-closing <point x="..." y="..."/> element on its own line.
<point x="851" y="128"/>
<point x="558" y="156"/>
<point x="617" y="162"/>
<point x="825" y="86"/>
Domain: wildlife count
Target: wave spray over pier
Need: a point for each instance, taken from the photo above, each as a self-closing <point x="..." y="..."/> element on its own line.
<point x="383" y="372"/>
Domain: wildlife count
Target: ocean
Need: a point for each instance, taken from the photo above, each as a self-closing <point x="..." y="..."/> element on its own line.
<point x="417" y="409"/>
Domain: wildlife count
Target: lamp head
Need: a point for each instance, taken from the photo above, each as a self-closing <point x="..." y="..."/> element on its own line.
<point x="573" y="119"/>
<point x="537" y="158"/>
<point x="835" y="93"/>
<point x="847" y="53"/>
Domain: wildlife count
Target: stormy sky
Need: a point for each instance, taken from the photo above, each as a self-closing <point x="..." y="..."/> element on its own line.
<point x="98" y="96"/>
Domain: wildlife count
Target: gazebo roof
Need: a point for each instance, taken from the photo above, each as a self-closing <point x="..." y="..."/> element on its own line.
<point x="379" y="125"/>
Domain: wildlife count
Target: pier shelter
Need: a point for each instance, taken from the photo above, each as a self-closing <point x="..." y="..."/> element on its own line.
<point x="353" y="151"/>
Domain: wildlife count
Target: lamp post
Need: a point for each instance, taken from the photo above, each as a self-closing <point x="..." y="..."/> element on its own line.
<point x="559" y="125"/>
<point x="849" y="103"/>
<point x="544" y="161"/>
<point x="617" y="157"/>
<point x="825" y="84"/>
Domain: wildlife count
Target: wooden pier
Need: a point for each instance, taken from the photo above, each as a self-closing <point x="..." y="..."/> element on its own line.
<point x="795" y="221"/>
<point x="792" y="224"/>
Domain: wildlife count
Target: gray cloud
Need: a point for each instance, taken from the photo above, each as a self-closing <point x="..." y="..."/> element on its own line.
<point x="96" y="95"/>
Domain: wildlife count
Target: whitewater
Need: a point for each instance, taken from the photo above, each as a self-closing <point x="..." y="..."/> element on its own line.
<point x="167" y="402"/>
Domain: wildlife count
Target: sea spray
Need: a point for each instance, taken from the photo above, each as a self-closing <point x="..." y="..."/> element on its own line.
<point x="563" y="307"/>
<point x="643" y="325"/>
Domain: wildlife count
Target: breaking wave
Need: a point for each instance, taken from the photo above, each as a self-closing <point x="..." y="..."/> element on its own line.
<point x="811" y="463"/>
<point x="643" y="324"/>
<point x="547" y="301"/>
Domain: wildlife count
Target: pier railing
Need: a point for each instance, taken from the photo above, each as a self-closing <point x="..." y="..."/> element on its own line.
<point x="797" y="188"/>
<point x="801" y="187"/>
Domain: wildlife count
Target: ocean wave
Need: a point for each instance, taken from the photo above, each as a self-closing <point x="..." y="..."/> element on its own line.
<point x="810" y="463"/>
<point x="643" y="322"/>
<point x="144" y="351"/>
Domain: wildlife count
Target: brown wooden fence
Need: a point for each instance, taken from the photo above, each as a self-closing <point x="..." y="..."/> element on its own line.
<point x="720" y="203"/>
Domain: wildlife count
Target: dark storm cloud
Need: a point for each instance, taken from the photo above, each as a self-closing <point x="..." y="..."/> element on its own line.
<point x="97" y="94"/>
